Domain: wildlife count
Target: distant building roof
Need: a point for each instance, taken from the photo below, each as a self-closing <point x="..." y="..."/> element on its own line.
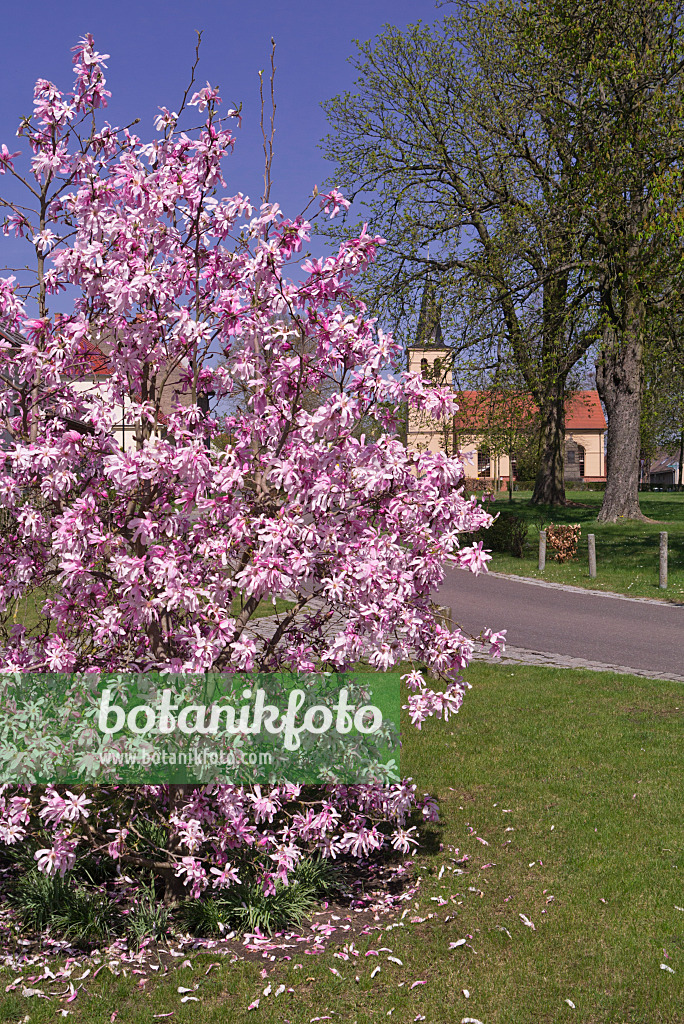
<point x="664" y="463"/>
<point x="583" y="410"/>
<point x="11" y="336"/>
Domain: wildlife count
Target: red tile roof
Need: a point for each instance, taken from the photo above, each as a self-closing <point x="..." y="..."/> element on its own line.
<point x="583" y="410"/>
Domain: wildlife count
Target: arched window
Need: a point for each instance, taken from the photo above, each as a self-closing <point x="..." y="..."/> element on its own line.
<point x="437" y="370"/>
<point x="424" y="367"/>
<point x="483" y="463"/>
<point x="580" y="459"/>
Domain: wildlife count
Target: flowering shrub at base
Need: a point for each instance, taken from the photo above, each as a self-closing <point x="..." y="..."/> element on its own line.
<point x="130" y="542"/>
<point x="221" y="834"/>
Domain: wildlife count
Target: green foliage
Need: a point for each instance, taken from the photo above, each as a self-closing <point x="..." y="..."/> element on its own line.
<point x="507" y="534"/>
<point x="152" y="835"/>
<point x="36" y="898"/>
<point x="627" y="552"/>
<point x="445" y="145"/>
<point x="246" y="907"/>
<point x="82" y="916"/>
<point x="583" y="485"/>
<point x="578" y="790"/>
<point x="532" y="168"/>
<point x="148" y="917"/>
<point x="75" y="909"/>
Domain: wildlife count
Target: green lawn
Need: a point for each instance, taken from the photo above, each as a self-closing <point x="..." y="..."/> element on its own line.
<point x="27" y="611"/>
<point x="574" y="780"/>
<point x="626" y="553"/>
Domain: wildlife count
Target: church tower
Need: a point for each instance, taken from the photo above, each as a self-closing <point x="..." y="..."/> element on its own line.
<point x="430" y="357"/>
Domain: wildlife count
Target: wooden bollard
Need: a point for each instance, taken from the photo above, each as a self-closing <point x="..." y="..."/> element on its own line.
<point x="663" y="561"/>
<point x="592" y="555"/>
<point x="542" y="550"/>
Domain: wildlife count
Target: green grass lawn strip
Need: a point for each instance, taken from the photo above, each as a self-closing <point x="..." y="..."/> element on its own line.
<point x="574" y="780"/>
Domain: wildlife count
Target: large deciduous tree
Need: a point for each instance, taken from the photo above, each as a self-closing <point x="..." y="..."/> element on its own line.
<point x="447" y="147"/>
<point x="607" y="83"/>
<point x="533" y="146"/>
<point x="157" y="556"/>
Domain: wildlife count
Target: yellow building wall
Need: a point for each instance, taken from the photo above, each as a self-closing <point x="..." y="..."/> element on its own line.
<point x="594" y="458"/>
<point x="499" y="465"/>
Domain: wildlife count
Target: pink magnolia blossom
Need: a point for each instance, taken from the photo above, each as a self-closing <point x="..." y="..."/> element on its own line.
<point x="6" y="158"/>
<point x="225" y="876"/>
<point x="331" y="202"/>
<point x="195" y="874"/>
<point x="403" y="839"/>
<point x="59" y="858"/>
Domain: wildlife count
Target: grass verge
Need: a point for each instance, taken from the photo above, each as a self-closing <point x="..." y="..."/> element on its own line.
<point x="627" y="553"/>
<point x="563" y="790"/>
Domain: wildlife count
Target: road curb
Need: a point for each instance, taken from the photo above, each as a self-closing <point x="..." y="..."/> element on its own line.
<point x="547" y="659"/>
<point x="581" y="590"/>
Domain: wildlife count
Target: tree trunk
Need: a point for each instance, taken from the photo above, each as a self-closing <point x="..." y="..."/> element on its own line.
<point x="175" y="888"/>
<point x="550" y="392"/>
<point x="549" y="487"/>
<point x="619" y="379"/>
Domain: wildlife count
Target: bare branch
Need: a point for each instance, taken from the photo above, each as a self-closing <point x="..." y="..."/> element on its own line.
<point x="268" y="140"/>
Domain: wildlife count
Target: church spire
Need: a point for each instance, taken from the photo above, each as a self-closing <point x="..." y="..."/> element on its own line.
<point x="429" y="333"/>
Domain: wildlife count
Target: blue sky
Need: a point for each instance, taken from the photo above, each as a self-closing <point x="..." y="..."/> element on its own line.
<point x="151" y="44"/>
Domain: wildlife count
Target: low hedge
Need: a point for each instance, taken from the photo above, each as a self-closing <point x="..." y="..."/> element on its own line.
<point x="506" y="535"/>
<point x="570" y="485"/>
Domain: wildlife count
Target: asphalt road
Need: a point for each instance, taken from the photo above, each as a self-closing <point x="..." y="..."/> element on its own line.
<point x="642" y="635"/>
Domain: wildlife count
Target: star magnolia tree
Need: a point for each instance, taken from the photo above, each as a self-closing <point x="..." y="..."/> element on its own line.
<point x="158" y="556"/>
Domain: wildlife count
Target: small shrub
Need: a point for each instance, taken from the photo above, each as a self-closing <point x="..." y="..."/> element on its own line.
<point x="523" y="485"/>
<point x="472" y="485"/>
<point x="87" y="918"/>
<point x="36" y="899"/>
<point x="563" y="539"/>
<point x="585" y="485"/>
<point x="507" y="535"/>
